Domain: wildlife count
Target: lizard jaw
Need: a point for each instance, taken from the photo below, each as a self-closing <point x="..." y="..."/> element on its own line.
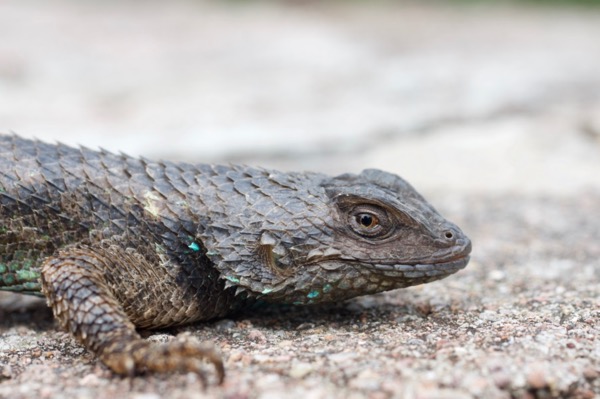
<point x="421" y="270"/>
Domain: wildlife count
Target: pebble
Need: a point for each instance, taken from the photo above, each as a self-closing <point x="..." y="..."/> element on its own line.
<point x="225" y="325"/>
<point x="342" y="357"/>
<point x="257" y="336"/>
<point x="537" y="378"/>
<point x="299" y="370"/>
<point x="591" y="373"/>
<point x="367" y="380"/>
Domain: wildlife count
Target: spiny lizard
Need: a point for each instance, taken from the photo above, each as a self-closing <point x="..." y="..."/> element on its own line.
<point x="117" y="243"/>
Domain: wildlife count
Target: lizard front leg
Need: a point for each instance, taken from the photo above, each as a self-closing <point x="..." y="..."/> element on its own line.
<point x="82" y="298"/>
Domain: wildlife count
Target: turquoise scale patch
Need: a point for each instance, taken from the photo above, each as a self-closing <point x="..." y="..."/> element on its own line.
<point x="27" y="275"/>
<point x="313" y="294"/>
<point x="194" y="246"/>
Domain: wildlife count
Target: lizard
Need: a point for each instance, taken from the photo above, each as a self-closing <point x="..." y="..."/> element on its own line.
<point x="118" y="244"/>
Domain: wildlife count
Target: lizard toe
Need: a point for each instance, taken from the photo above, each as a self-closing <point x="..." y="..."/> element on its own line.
<point x="182" y="355"/>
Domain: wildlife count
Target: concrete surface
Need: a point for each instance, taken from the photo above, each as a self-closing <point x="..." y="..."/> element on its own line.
<point x="492" y="112"/>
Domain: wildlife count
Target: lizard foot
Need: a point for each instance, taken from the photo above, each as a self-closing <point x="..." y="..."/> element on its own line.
<point x="175" y="356"/>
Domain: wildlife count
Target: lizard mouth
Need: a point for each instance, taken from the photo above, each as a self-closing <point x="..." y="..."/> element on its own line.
<point x="454" y="261"/>
<point x="425" y="269"/>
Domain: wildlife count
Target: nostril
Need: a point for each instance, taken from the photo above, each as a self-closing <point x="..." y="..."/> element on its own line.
<point x="449" y="235"/>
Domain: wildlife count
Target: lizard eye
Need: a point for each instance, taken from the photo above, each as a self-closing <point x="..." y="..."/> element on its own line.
<point x="370" y="221"/>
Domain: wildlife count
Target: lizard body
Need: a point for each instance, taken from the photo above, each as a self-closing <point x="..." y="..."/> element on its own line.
<point x="117" y="243"/>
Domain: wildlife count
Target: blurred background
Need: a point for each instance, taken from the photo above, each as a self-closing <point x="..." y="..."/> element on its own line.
<point x="458" y="97"/>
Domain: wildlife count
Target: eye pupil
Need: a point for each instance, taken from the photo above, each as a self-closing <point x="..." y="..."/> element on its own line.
<point x="366" y="220"/>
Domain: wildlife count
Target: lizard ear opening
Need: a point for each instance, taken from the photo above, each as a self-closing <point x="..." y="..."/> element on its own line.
<point x="268" y="257"/>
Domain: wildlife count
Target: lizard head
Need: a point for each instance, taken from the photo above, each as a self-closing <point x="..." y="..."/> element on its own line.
<point x="325" y="239"/>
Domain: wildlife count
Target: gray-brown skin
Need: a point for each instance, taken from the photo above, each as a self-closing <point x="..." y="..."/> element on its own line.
<point x="117" y="243"/>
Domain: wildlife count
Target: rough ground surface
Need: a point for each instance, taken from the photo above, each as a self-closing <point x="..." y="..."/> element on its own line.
<point x="493" y="113"/>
